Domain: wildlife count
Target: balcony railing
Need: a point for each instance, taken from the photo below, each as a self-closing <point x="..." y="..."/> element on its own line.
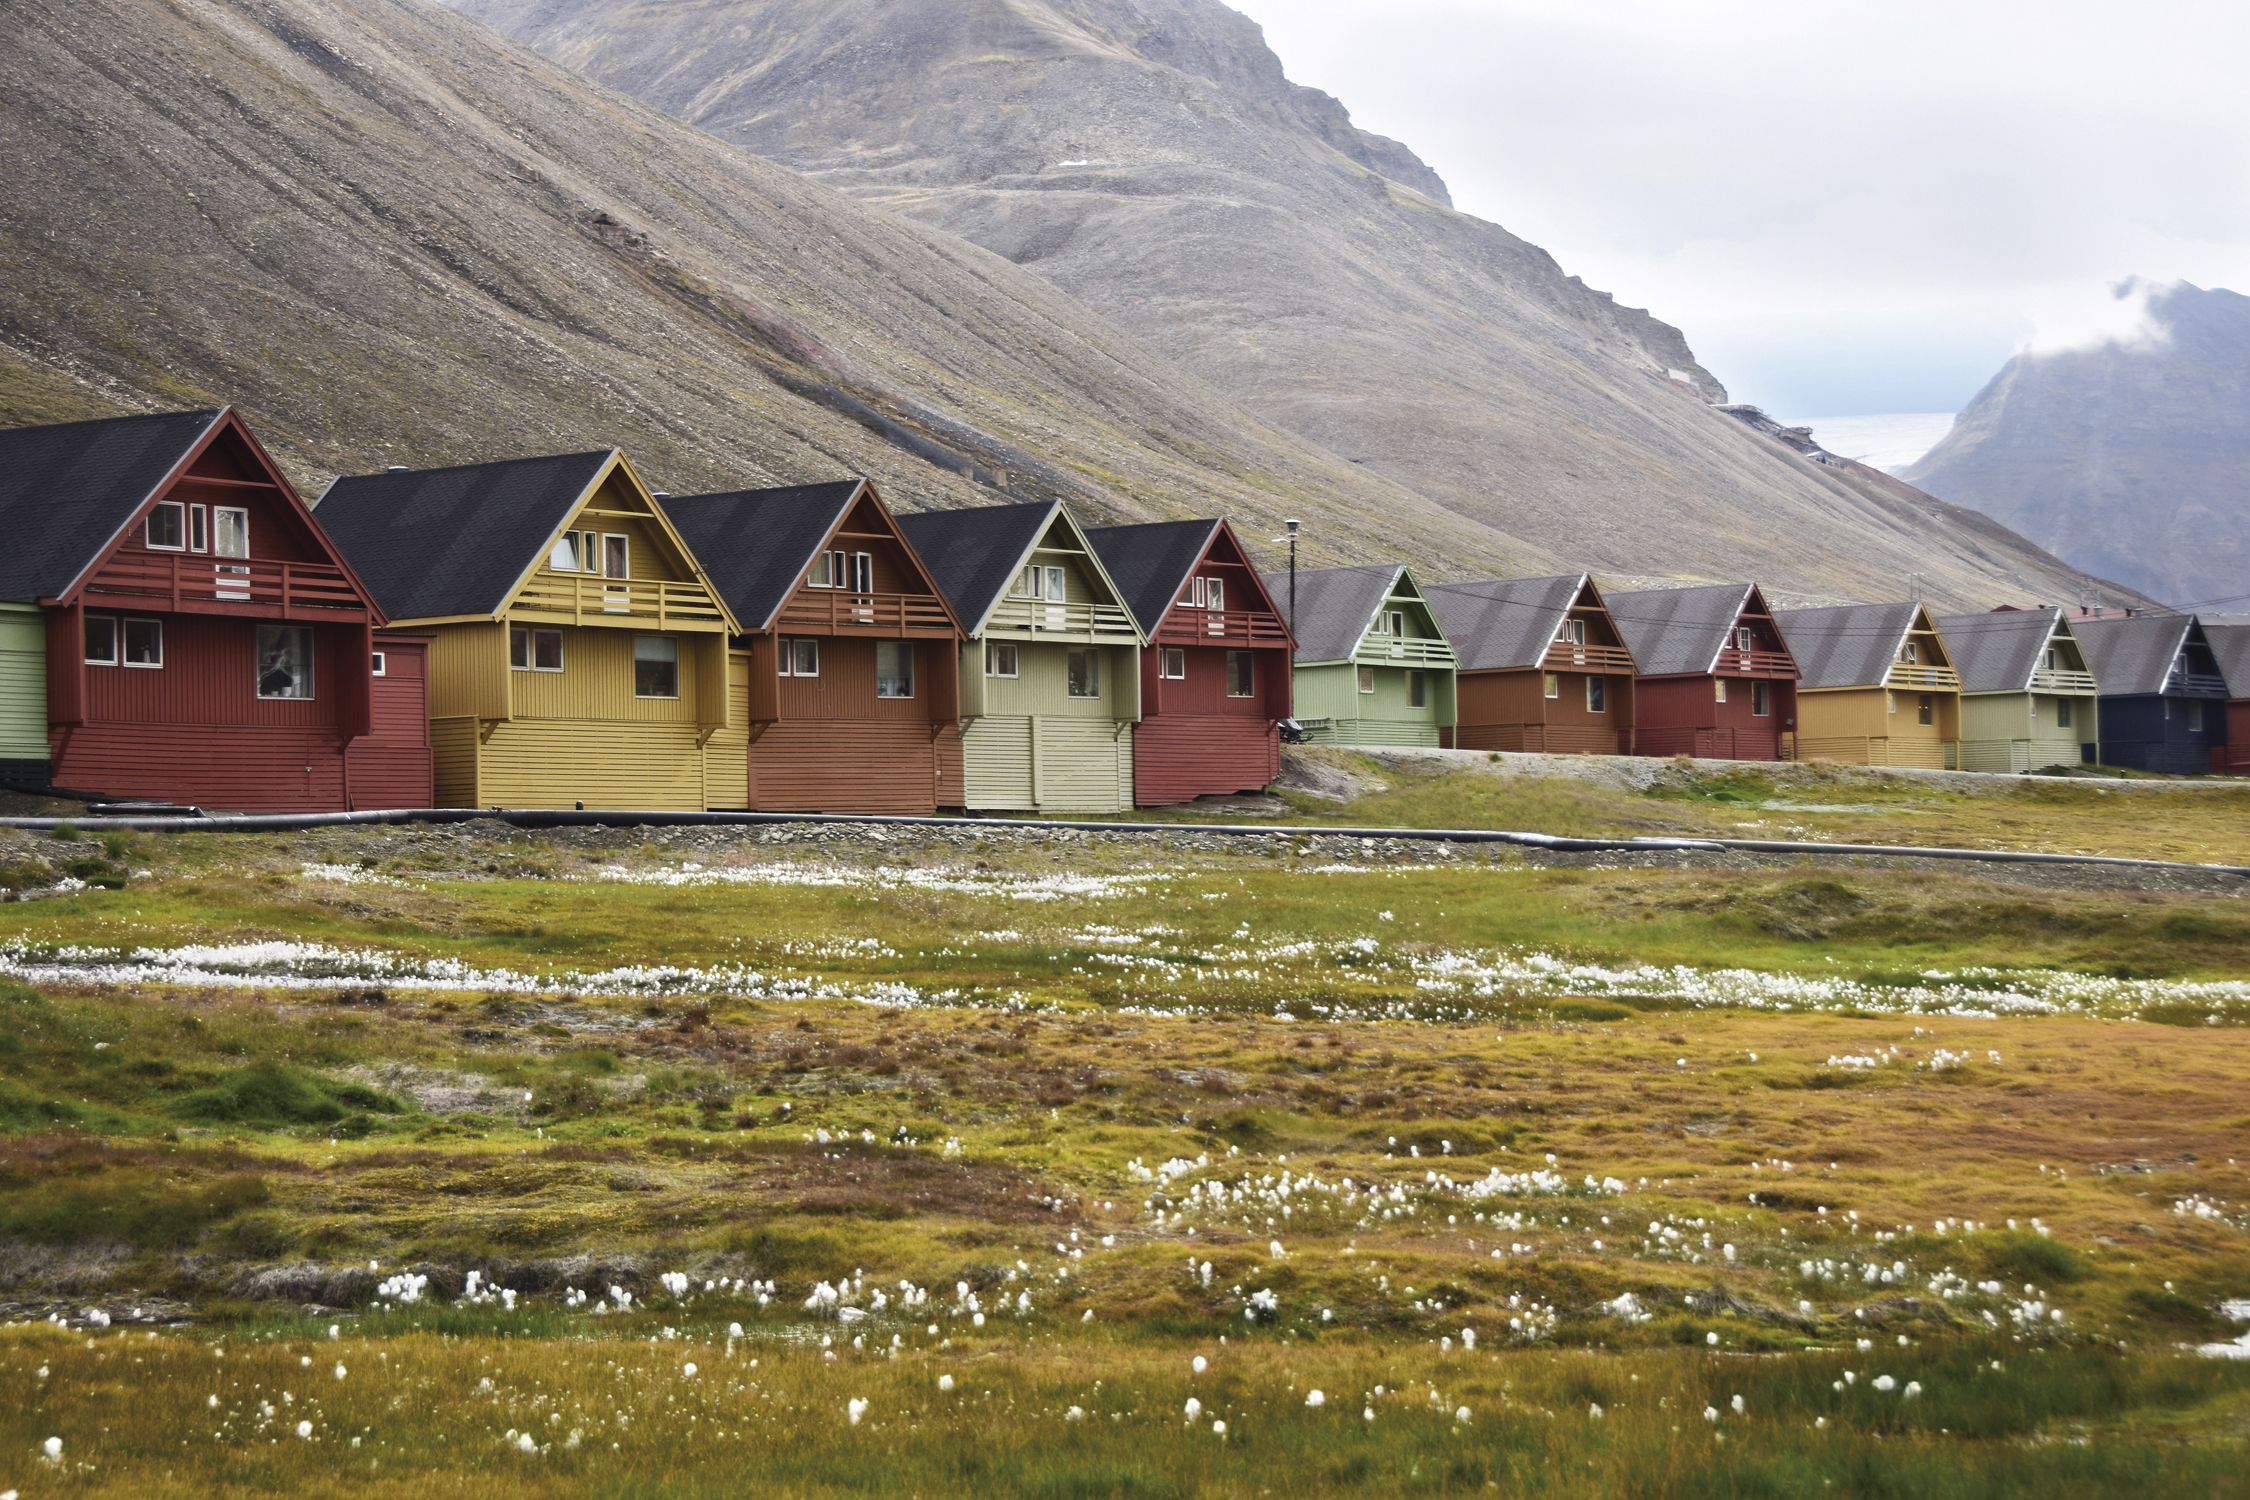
<point x="1074" y="619"/>
<point x="1756" y="663"/>
<point x="255" y="586"/>
<point x="1906" y="675"/>
<point x="1240" y="627"/>
<point x="2198" y="683"/>
<point x="1570" y="656"/>
<point x="2062" y="680"/>
<point x="1375" y="650"/>
<point x="661" y="602"/>
<point x="841" y="612"/>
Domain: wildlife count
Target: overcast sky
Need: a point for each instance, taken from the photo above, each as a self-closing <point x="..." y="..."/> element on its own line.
<point x="1849" y="207"/>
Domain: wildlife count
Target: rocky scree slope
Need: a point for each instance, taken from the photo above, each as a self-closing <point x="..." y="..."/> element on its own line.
<point x="393" y="236"/>
<point x="1151" y="158"/>
<point x="2130" y="458"/>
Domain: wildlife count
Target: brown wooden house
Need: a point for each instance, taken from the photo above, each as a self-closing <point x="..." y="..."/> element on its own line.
<point x="1716" y="680"/>
<point x="1215" y="675"/>
<point x="848" y="667"/>
<point x="1543" y="667"/>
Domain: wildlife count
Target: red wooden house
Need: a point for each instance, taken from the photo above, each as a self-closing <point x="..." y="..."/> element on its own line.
<point x="204" y="640"/>
<point x="1716" y="679"/>
<point x="1215" y="675"/>
<point x="849" y="665"/>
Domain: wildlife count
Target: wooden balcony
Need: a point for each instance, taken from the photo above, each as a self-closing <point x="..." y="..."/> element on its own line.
<point x="812" y="611"/>
<point x="2197" y="684"/>
<point x="1185" y="625"/>
<point x="192" y="584"/>
<point x="1903" y="675"/>
<point x="1407" y="651"/>
<point x="561" y="598"/>
<point x="2063" y="680"/>
<point x="1093" y="624"/>
<point x="1733" y="663"/>
<point x="1569" y="656"/>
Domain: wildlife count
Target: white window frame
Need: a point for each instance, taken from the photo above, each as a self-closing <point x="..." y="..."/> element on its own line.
<point x="670" y="640"/>
<point x="555" y="561"/>
<point x="1571" y="632"/>
<point x="1168" y="658"/>
<point x="624" y="542"/>
<point x="178" y="509"/>
<point x="1093" y="657"/>
<point x="1367" y="679"/>
<point x="1743" y="639"/>
<point x="1002" y="659"/>
<point x="2064" y="718"/>
<point x="124" y="634"/>
<point x="789" y="645"/>
<point x="1249" y="661"/>
<point x="1910" y="653"/>
<point x="908" y="648"/>
<point x="311" y="671"/>
<point x="199" y="528"/>
<point x="531" y="635"/>
<point x="381" y="661"/>
<point x="116" y="642"/>
<point x="1552" y="685"/>
<point x="220" y="515"/>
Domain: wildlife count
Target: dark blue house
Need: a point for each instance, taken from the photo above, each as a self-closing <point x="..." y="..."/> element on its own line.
<point x="2163" y="702"/>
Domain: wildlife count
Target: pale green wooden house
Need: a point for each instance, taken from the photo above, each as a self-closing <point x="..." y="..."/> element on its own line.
<point x="1373" y="665"/>
<point x="2027" y="692"/>
<point x="23" y="694"/>
<point x="1050" y="669"/>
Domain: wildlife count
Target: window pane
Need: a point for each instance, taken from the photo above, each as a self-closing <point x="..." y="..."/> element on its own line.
<point x="564" y="559"/>
<point x="546" y="650"/>
<point x="519" y="648"/>
<point x="199" y="528"/>
<point x="164" y="524"/>
<point x="894" y="669"/>
<point x="285" y="668"/>
<point x="1085" y="674"/>
<point x="1761" y="698"/>
<point x="2062" y="713"/>
<point x="144" y="643"/>
<point x="1553" y="685"/>
<point x="230" y="531"/>
<point x="101" y="640"/>
<point x="379" y="664"/>
<point x="863" y="575"/>
<point x="1367" y="679"/>
<point x="1242" y="676"/>
<point x="617" y="557"/>
<point x="1175" y="662"/>
<point x="806" y="654"/>
<point x="1926" y="712"/>
<point x="1719" y="686"/>
<point x="1417" y="690"/>
<point x="1215" y="593"/>
<point x="1597" y="695"/>
<point x="656" y="666"/>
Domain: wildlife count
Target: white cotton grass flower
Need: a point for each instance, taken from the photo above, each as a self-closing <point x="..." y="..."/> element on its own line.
<point x="1368" y="1413"/>
<point x="1219" y="1429"/>
<point x="304" y="1430"/>
<point x="52" y="1450"/>
<point x="1316" y="1399"/>
<point x="856" y="1409"/>
<point x="1710" y="1414"/>
<point x="688" y="1370"/>
<point x="1594" y="1412"/>
<point x="526" y="1443"/>
<point x="1738" y="1404"/>
<point x="1194" y="1408"/>
<point x="734" y="1330"/>
<point x="1199" y="1364"/>
<point x="341" y="1372"/>
<point x="1913" y="1389"/>
<point x="214" y="1403"/>
<point x="1075" y="1414"/>
<point x="1712" y="1339"/>
<point x="1461" y="1415"/>
<point x="1885" y="1383"/>
<point x="944" y="1384"/>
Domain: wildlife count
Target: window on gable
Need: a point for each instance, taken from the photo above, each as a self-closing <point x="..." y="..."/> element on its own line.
<point x="1597" y="695"/>
<point x="617" y="555"/>
<point x="230" y="531"/>
<point x="1215" y="593"/>
<point x="1000" y="659"/>
<point x="165" y="530"/>
<point x="1242" y="673"/>
<point x="656" y="666"/>
<point x="199" y="528"/>
<point x="1395" y="624"/>
<point x="144" y="643"/>
<point x="285" y="661"/>
<point x="101" y="640"/>
<point x="894" y="669"/>
<point x="1910" y="653"/>
<point x="1172" y="663"/>
<point x="2050" y="658"/>
<point x="564" y="557"/>
<point x="1367" y="679"/>
<point x="1743" y="639"/>
<point x="1085" y="668"/>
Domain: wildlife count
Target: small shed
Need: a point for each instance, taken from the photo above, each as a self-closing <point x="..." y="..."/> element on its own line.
<point x="177" y="627"/>
<point x="1875" y="685"/>
<point x="2163" y="700"/>
<point x="1373" y="665"/>
<point x="1050" y="671"/>
<point x="1215" y="679"/>
<point x="847" y="661"/>
<point x="1542" y="666"/>
<point x="2027" y="698"/>
<point x="1716" y="679"/>
<point x="577" y="653"/>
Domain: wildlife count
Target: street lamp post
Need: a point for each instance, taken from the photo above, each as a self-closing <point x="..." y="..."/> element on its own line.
<point x="1292" y="524"/>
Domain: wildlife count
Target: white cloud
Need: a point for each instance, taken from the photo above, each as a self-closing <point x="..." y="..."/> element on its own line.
<point x="1847" y="206"/>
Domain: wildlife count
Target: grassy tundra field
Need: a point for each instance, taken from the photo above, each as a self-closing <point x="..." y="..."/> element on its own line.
<point x="852" y="1161"/>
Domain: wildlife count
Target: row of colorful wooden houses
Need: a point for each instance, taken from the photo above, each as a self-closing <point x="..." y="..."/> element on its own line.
<point x="178" y="625"/>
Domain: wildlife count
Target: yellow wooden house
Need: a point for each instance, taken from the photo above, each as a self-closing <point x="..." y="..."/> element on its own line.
<point x="578" y="653"/>
<point x="1876" y="686"/>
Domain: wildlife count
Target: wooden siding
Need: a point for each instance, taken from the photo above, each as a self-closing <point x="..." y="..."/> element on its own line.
<point x="865" y="765"/>
<point x="1021" y="762"/>
<point x="23" y="685"/>
<point x="596" y="680"/>
<point x="2148" y="732"/>
<point x="1510" y="711"/>
<point x="230" y="767"/>
<point x="453" y="763"/>
<point x="469" y="673"/>
<point x="1177" y="759"/>
<point x="2016" y="732"/>
<point x="390" y="766"/>
<point x="559" y="762"/>
<point x="1683" y="716"/>
<point x="1878" y="727"/>
<point x="2234" y="755"/>
<point x="1383" y="717"/>
<point x="726" y="754"/>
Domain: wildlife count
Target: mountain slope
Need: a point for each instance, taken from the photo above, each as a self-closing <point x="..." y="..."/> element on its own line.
<point x="2131" y="459"/>
<point x="1151" y="158"/>
<point x="393" y="236"/>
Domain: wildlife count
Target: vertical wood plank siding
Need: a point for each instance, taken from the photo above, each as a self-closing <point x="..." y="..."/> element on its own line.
<point x="1510" y="710"/>
<point x="391" y="765"/>
<point x="453" y="763"/>
<point x="863" y="765"/>
<point x="1177" y="759"/>
<point x="726" y="763"/>
<point x="1048" y="763"/>
<point x="23" y="689"/>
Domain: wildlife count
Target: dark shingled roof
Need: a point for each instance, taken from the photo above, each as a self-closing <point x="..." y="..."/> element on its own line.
<point x="67" y="489"/>
<point x="973" y="554"/>
<point x="1150" y="563"/>
<point x="755" y="544"/>
<point x="1848" y="645"/>
<point x="2231" y="644"/>
<point x="432" y="543"/>
<point x="1997" y="652"/>
<point x="2133" y="655"/>
<point x="1674" y="632"/>
<point x="1503" y="622"/>
<point x="1334" y="606"/>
